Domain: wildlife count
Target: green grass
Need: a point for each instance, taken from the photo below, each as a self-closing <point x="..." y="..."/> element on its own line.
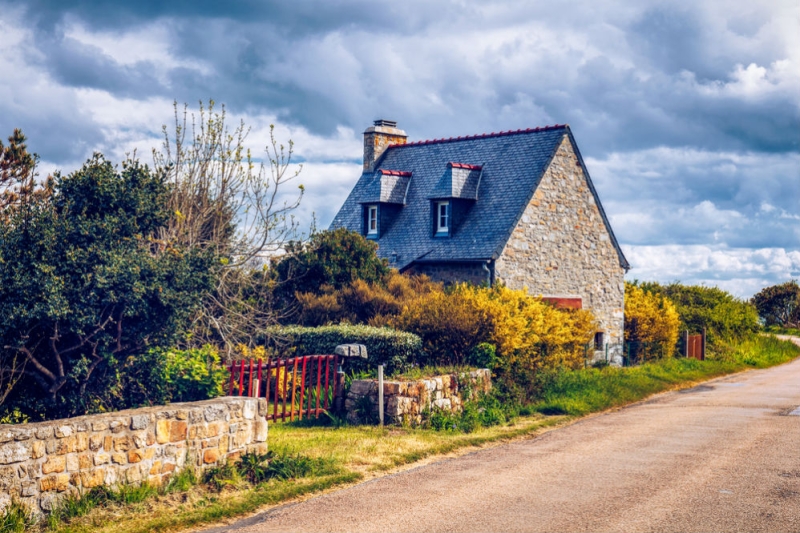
<point x="16" y="519"/>
<point x="589" y="390"/>
<point x="317" y="457"/>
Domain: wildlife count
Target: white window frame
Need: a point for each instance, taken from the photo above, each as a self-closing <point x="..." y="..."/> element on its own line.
<point x="372" y="220"/>
<point x="442" y="218"/>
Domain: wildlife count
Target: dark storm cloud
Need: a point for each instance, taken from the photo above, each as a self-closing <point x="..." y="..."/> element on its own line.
<point x="324" y="64"/>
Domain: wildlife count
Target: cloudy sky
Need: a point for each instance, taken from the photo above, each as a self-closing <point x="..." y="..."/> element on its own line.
<point x="687" y="113"/>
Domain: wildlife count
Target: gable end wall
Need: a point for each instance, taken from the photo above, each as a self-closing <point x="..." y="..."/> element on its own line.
<point x="560" y="246"/>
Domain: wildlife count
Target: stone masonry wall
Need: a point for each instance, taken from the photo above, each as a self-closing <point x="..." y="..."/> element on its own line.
<point x="452" y="272"/>
<point x="561" y="246"/>
<point x="404" y="401"/>
<point x="41" y="462"/>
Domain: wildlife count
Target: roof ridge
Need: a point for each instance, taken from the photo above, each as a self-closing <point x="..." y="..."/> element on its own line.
<point x="404" y="173"/>
<point x="482" y="136"/>
<point x="465" y="166"/>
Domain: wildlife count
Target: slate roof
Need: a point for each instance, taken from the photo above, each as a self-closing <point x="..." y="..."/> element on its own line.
<point x="458" y="181"/>
<point x="387" y="186"/>
<point x="512" y="165"/>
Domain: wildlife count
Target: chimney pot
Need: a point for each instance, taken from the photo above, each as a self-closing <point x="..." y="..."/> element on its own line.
<point x="377" y="138"/>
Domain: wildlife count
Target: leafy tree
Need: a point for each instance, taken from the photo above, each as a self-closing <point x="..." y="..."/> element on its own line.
<point x="779" y="305"/>
<point x="723" y="315"/>
<point x="18" y="175"/>
<point x="221" y="198"/>
<point x="330" y="259"/>
<point x="85" y="288"/>
<point x="651" y="322"/>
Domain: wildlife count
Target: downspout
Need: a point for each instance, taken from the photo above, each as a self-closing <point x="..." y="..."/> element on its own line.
<point x="489" y="273"/>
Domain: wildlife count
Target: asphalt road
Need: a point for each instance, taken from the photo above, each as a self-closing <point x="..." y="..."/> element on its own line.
<point x="723" y="456"/>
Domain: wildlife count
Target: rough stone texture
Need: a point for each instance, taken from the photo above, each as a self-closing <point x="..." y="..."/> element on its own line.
<point x="453" y="272"/>
<point x="405" y="401"/>
<point x="40" y="462"/>
<point x="561" y="246"/>
<point x="377" y="139"/>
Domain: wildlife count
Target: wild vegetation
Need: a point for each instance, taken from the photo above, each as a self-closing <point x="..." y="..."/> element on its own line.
<point x="128" y="286"/>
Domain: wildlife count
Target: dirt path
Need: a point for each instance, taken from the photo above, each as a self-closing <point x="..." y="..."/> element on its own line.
<point x="722" y="456"/>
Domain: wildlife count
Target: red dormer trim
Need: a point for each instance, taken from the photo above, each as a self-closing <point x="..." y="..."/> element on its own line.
<point x="463" y="165"/>
<point x="482" y="136"/>
<point x="403" y="173"/>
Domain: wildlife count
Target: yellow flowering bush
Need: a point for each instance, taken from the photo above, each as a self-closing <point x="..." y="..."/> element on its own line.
<point x="524" y="330"/>
<point x="651" y="323"/>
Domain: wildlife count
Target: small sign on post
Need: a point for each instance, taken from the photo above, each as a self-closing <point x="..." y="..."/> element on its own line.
<point x="380" y="394"/>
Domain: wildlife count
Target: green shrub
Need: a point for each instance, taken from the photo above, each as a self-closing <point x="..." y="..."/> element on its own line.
<point x="394" y="349"/>
<point x="724" y="316"/>
<point x="258" y="468"/>
<point x="194" y="374"/>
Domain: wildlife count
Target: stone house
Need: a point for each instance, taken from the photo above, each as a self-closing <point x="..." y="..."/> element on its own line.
<point x="517" y="207"/>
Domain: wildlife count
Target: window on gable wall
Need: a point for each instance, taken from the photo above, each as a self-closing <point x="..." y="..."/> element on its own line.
<point x="442" y="218"/>
<point x="372" y="220"/>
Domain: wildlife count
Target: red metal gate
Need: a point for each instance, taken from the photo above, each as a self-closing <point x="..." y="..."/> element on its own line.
<point x="694" y="347"/>
<point x="277" y="381"/>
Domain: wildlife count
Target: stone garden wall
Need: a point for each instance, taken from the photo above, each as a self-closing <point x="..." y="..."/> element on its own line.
<point x="405" y="401"/>
<point x="42" y="461"/>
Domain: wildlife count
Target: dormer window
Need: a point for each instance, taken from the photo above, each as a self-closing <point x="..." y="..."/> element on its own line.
<point x="372" y="220"/>
<point x="442" y="218"/>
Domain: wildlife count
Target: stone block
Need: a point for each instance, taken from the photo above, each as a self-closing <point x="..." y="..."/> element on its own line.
<point x="44" y="433"/>
<point x="166" y="468"/>
<point x="262" y="407"/>
<point x="95" y="442"/>
<point x="213" y="429"/>
<point x="249" y="409"/>
<point x="122" y="443"/>
<point x="177" y="431"/>
<point x="155" y="468"/>
<point x="135" y="456"/>
<point x="118" y="426"/>
<point x="49" y="501"/>
<point x="140" y="422"/>
<point x="8" y="477"/>
<point x="85" y="461"/>
<point x="72" y="463"/>
<point x="29" y="488"/>
<point x="119" y="458"/>
<point x="151" y="438"/>
<point x="139" y="440"/>
<point x="14" y="452"/>
<point x="100" y="425"/>
<point x="108" y="443"/>
<point x="81" y="442"/>
<point x="6" y="435"/>
<point x="391" y="387"/>
<point x="58" y="482"/>
<point x="133" y="474"/>
<point x="210" y="455"/>
<point x="94" y="478"/>
<point x="182" y="414"/>
<point x="149" y="453"/>
<point x="63" y="431"/>
<point x="214" y="412"/>
<point x="162" y="431"/>
<point x="38" y="449"/>
<point x="66" y="445"/>
<point x="23" y="433"/>
<point x="261" y="431"/>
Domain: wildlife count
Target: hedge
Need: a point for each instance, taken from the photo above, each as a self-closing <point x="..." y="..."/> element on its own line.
<point x="396" y="350"/>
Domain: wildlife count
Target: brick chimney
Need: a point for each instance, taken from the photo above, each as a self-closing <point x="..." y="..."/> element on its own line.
<point x="377" y="138"/>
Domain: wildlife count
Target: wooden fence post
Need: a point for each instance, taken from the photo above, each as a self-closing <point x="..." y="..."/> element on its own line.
<point x="703" y="347"/>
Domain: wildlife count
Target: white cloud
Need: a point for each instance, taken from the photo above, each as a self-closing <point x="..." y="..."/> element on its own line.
<point x="739" y="270"/>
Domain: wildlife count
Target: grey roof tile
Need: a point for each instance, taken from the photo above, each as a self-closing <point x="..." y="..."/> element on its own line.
<point x="512" y="165"/>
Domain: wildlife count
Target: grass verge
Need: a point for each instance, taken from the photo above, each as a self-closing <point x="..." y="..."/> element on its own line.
<point x="589" y="390"/>
<point x="338" y="456"/>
